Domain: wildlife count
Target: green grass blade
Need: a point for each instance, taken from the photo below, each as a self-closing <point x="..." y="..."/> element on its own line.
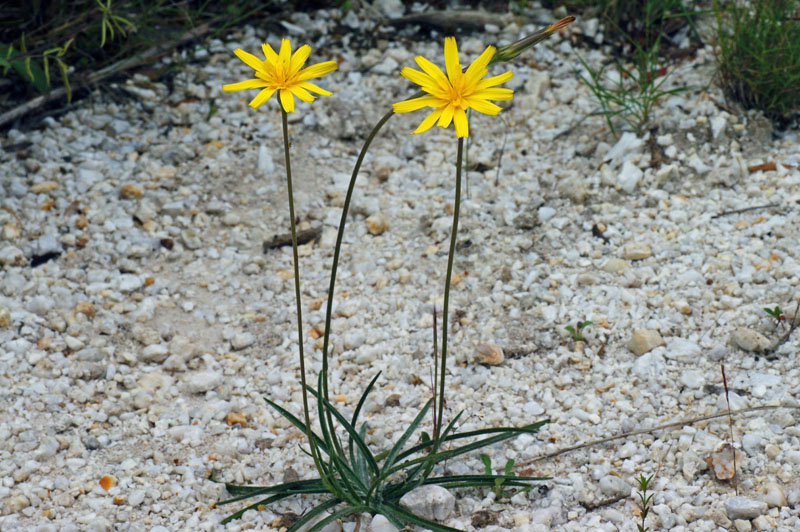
<point x="256" y="505"/>
<point x="300" y="425"/>
<point x="504" y="434"/>
<point x="312" y="513"/>
<point x="407" y="517"/>
<point x="529" y="429"/>
<point x="398" y="446"/>
<point x="363" y="399"/>
<point x="359" y="460"/>
<point x="484" y="480"/>
<point x="319" y="525"/>
<point x="352" y="432"/>
<point x="339" y="475"/>
<point x="354" y="420"/>
<point x="325" y="420"/>
<point x="302" y="486"/>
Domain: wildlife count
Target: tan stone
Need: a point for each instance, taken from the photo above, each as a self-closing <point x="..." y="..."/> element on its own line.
<point x="644" y="340"/>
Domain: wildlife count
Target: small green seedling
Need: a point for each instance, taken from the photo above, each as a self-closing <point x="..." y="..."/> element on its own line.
<point x="645" y="499"/>
<point x="776" y="313"/>
<point x="499" y="482"/>
<point x="577" y="333"/>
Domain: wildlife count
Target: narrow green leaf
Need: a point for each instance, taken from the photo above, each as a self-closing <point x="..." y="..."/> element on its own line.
<point x="300" y="486"/>
<point x="398" y="445"/>
<point x="299" y="424"/>
<point x="63" y="68"/>
<point x="313" y="513"/>
<point x="406" y="516"/>
<point x="255" y="506"/>
<point x="352" y="432"/>
<point x="487" y="463"/>
<point x="319" y="525"/>
<point x="354" y="420"/>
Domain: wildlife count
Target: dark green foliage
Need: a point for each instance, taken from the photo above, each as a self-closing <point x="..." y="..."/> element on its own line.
<point x="758" y="55"/>
<point x="360" y="480"/>
<point x="82" y="37"/>
<point x="634" y="92"/>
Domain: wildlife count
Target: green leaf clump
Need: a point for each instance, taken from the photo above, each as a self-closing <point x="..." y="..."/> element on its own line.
<point x="758" y="55"/>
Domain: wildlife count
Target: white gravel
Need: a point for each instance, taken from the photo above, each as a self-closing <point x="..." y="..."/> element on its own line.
<point x="143" y="350"/>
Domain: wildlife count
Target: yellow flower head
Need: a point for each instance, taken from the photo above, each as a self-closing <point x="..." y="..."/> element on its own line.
<point x="452" y="95"/>
<point x="284" y="72"/>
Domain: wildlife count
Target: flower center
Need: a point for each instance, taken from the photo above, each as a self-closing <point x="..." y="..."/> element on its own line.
<point x="457" y="92"/>
<point x="277" y="75"/>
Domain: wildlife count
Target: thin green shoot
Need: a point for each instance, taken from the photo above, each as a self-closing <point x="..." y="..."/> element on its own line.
<point x="577" y="331"/>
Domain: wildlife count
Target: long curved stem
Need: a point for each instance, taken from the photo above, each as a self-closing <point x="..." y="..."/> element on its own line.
<point x="448" y="276"/>
<point x="307" y="417"/>
<point x="337" y="250"/>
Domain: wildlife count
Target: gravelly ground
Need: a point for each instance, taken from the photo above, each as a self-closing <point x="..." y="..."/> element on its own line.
<point x="159" y="322"/>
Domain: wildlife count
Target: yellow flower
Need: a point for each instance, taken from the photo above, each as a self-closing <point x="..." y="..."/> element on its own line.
<point x="452" y="95"/>
<point x="282" y="72"/>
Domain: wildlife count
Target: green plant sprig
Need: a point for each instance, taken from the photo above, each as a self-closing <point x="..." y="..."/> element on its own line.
<point x="498" y="490"/>
<point x="109" y="21"/>
<point x="577" y="332"/>
<point x="645" y="500"/>
<point x="776" y="313"/>
<point x="637" y="87"/>
<point x="363" y="481"/>
<point x="758" y="55"/>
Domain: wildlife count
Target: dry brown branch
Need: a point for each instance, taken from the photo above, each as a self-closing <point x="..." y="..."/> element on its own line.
<point x="674" y="424"/>
<point x="285" y="239"/>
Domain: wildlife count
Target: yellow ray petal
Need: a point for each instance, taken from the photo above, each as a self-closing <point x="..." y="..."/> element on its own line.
<point x="299" y="59"/>
<point x="269" y="53"/>
<point x="493" y="94"/>
<point x="447" y="116"/>
<point x="307" y="85"/>
<point x="433" y="71"/>
<point x="429" y="121"/>
<point x="287" y="100"/>
<point x="301" y="93"/>
<point x="416" y="104"/>
<point x="252" y="61"/>
<point x="420" y="78"/>
<point x="482" y="106"/>
<point x="477" y="69"/>
<point x="451" y="59"/>
<point x="316" y="70"/>
<point x="248" y="84"/>
<point x="285" y="53"/>
<point x="460" y="121"/>
<point x="494" y="80"/>
<point x="261" y="97"/>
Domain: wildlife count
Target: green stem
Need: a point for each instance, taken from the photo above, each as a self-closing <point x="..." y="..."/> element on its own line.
<point x="336" y="252"/>
<point x="450" y="258"/>
<point x="314" y="450"/>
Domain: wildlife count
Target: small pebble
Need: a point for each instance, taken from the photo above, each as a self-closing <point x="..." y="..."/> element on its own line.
<point x="489" y="354"/>
<point x="774" y="495"/>
<point x="739" y="507"/>
<point x="749" y="340"/>
<point x="644" y="340"/>
<point x="376" y="224"/>
<point x="203" y="381"/>
<point x="636" y="251"/>
<point x="429" y="501"/>
<point x="242" y="340"/>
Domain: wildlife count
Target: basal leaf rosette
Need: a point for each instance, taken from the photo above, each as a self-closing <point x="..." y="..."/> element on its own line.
<point x="452" y="94"/>
<point x="282" y="72"/>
